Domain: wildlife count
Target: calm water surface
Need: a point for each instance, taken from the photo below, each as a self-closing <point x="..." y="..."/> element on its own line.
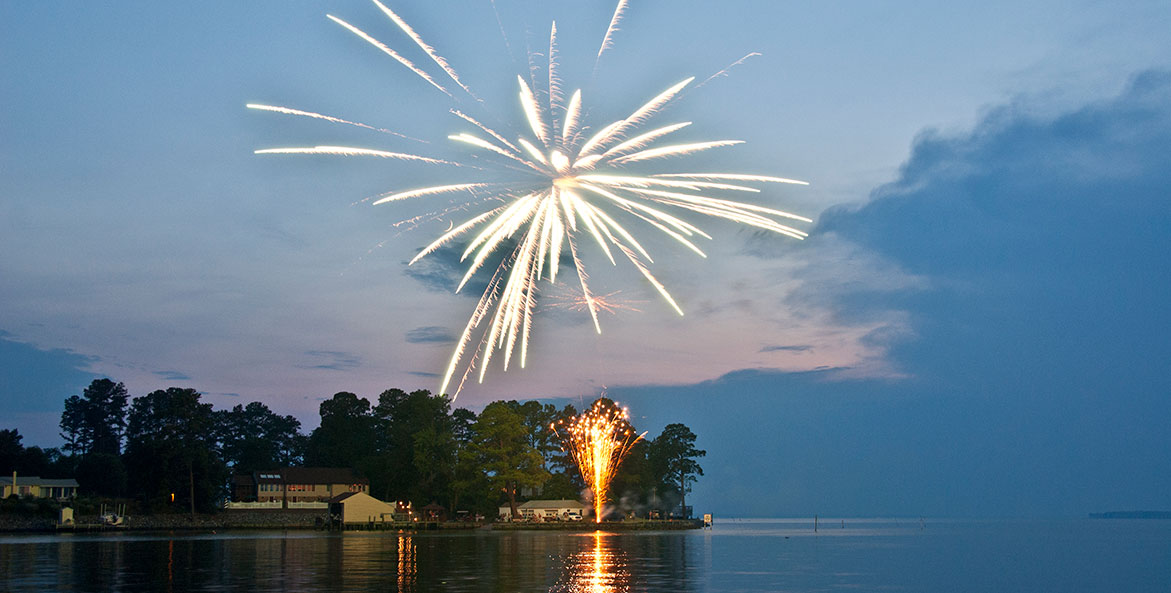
<point x="746" y="555"/>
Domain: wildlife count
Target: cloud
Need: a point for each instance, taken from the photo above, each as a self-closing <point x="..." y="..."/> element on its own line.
<point x="1018" y="274"/>
<point x="37" y="381"/>
<point x="172" y="375"/>
<point x="332" y="360"/>
<point x="442" y="270"/>
<point x="424" y="374"/>
<point x="1041" y="239"/>
<point x="795" y="348"/>
<point x="430" y="334"/>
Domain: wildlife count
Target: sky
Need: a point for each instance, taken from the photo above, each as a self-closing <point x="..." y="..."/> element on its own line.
<point x="974" y="327"/>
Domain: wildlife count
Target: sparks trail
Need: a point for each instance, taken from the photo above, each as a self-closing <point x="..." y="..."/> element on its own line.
<point x="569" y="181"/>
<point x="606" y="303"/>
<point x="598" y="440"/>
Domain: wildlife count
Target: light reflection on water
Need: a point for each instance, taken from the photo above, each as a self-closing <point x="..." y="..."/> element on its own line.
<point x="765" y="555"/>
<point x="601" y="568"/>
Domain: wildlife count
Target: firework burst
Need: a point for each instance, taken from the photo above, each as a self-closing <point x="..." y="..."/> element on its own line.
<point x="572" y="182"/>
<point x="598" y="440"/>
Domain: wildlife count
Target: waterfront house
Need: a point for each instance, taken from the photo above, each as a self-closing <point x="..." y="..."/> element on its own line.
<point x="278" y="488"/>
<point x="37" y="487"/>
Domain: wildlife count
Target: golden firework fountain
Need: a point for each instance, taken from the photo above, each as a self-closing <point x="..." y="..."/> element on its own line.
<point x="598" y="440"/>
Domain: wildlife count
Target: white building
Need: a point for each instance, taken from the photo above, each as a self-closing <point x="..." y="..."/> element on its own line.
<point x="38" y="487"/>
<point x="359" y="507"/>
<point x="546" y="510"/>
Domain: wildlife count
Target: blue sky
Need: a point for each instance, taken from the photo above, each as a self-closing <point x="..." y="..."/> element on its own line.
<point x="973" y="328"/>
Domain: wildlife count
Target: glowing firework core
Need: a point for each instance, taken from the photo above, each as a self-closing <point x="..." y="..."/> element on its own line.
<point x="598" y="440"/>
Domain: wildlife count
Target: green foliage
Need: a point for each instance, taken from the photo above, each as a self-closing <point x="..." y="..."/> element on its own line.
<point x="411" y="446"/>
<point x="346" y="433"/>
<point x="171" y="449"/>
<point x="635" y="479"/>
<point x="27" y="506"/>
<point x="11" y="450"/>
<point x="502" y="448"/>
<point x="418" y="442"/>
<point x="537" y="418"/>
<point x="469" y="485"/>
<point x="30" y="461"/>
<point x="102" y="474"/>
<point x="562" y="486"/>
<point x="253" y="438"/>
<point x="673" y="456"/>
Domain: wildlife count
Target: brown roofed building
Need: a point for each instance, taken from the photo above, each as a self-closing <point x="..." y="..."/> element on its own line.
<point x="296" y="484"/>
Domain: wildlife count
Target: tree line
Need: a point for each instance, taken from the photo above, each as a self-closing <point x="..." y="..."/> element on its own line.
<point x="168" y="450"/>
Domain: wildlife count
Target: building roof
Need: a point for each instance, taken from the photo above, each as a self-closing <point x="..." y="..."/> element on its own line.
<point x="552" y="504"/>
<point x="342" y="496"/>
<point x="310" y="475"/>
<point x="39" y="481"/>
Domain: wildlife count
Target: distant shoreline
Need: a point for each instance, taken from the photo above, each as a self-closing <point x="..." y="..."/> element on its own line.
<point x="305" y="520"/>
<point x="1132" y="515"/>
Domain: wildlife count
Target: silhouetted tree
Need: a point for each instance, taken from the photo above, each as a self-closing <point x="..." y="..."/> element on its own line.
<point x="417" y="442"/>
<point x="673" y="455"/>
<point x="346" y="433"/>
<point x="468" y="482"/>
<point x="171" y="449"/>
<point x="73" y="426"/>
<point x="560" y="462"/>
<point x="96" y="421"/>
<point x="29" y="461"/>
<point x="253" y="438"/>
<point x="102" y="474"/>
<point x="634" y="479"/>
<point x="11" y="450"/>
<point x="537" y="418"/>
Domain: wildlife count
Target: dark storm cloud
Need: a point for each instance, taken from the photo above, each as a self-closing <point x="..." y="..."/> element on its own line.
<point x="1045" y="240"/>
<point x="23" y="369"/>
<point x="430" y="334"/>
<point x="1037" y="351"/>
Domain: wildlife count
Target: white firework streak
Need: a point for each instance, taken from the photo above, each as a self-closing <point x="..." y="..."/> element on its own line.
<point x="565" y="189"/>
<point x="329" y="118"/>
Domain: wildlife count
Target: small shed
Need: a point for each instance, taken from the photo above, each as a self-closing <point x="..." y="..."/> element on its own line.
<point x="359" y="507"/>
<point x="434" y="512"/>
